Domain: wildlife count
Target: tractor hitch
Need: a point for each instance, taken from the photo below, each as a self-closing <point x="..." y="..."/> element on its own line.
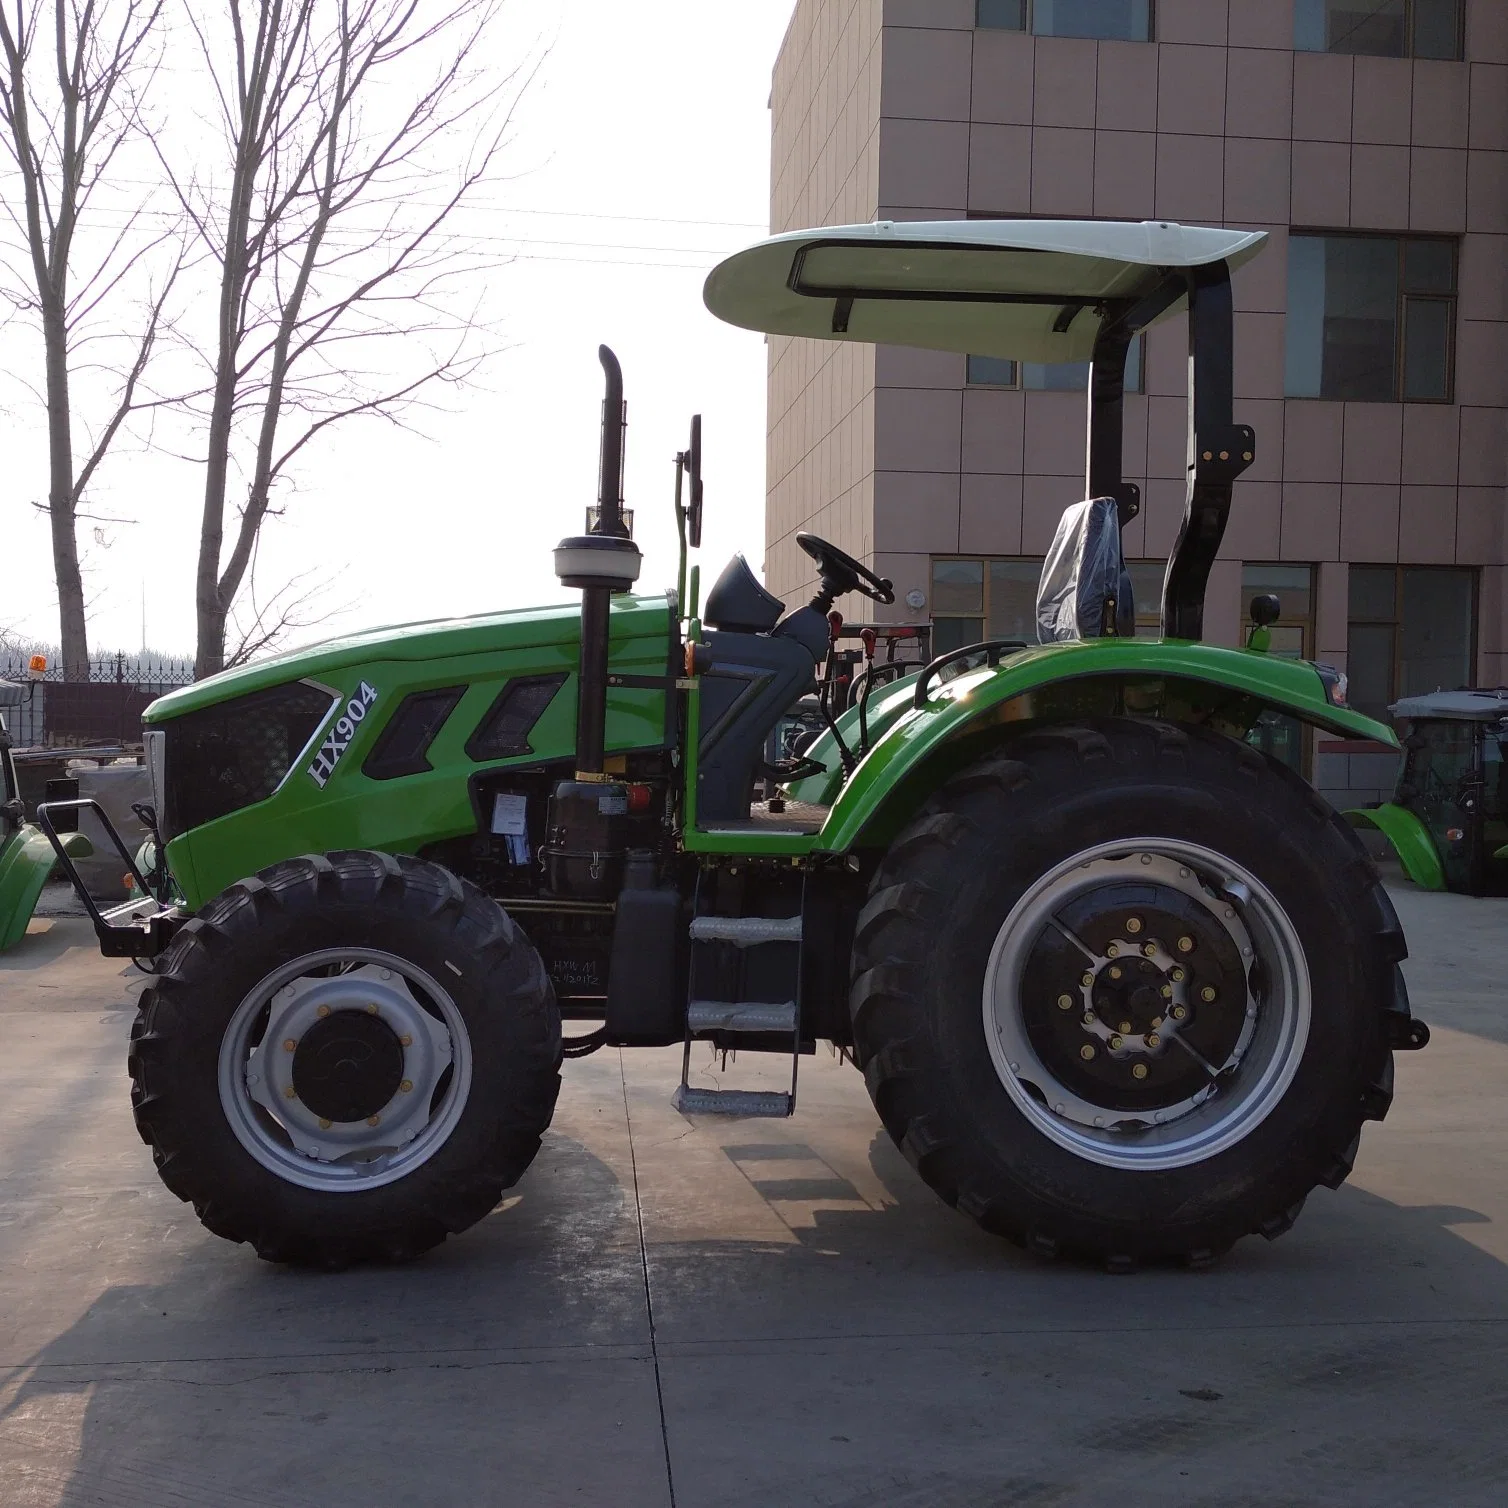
<point x="140" y="928"/>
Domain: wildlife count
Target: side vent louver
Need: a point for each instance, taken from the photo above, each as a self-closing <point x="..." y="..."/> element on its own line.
<point x="402" y="748"/>
<point x="504" y="732"/>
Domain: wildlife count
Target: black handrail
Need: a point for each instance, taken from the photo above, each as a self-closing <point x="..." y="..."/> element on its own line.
<point x="992" y="649"/>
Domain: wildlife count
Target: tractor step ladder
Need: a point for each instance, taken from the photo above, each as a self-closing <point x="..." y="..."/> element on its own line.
<point x="726" y="1018"/>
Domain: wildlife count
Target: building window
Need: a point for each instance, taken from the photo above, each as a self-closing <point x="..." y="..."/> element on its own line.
<point x="1048" y="377"/>
<point x="1371" y="318"/>
<point x="1380" y="28"/>
<point x="1412" y="631"/>
<point x="1108" y="20"/>
<point x="974" y="600"/>
<point x="1292" y="638"/>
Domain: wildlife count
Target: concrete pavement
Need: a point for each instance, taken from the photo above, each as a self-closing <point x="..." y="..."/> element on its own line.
<point x="749" y="1312"/>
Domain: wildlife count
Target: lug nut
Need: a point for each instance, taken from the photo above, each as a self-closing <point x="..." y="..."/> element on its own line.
<point x="289" y="1043"/>
<point x="1153" y="1040"/>
<point x="371" y="1010"/>
<point x="407" y="1086"/>
<point x="1116" y="1044"/>
<point x="1125" y="1026"/>
<point x="1065" y="1002"/>
<point x="1207" y="993"/>
<point x="1138" y="1070"/>
<point x="290" y="1092"/>
<point x="324" y="1010"/>
<point x="1179" y="975"/>
<point x="1178" y="1013"/>
<point x="1086" y="980"/>
<point x="324" y="1125"/>
<point x="1148" y="949"/>
<point x="1113" y="951"/>
<point x="1156" y="1022"/>
<point x="405" y="1041"/>
<point x="374" y="1120"/>
<point x="1115" y="971"/>
<point x="1089" y="1018"/>
<point x="1167" y="992"/>
<point x="1185" y="944"/>
<point x="1086" y="1052"/>
<point x="1133" y="924"/>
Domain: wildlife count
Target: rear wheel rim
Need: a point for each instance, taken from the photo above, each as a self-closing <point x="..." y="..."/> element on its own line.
<point x="1209" y="976"/>
<point x="345" y="1069"/>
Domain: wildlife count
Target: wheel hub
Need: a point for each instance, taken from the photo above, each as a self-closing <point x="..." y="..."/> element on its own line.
<point x="1126" y="989"/>
<point x="347" y="1066"/>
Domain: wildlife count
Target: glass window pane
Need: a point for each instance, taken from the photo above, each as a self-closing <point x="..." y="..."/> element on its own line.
<point x="1437" y="28"/>
<point x="1434" y="630"/>
<point x="1013" y="599"/>
<point x="1372" y="594"/>
<point x="1113" y="20"/>
<point x="1369" y="668"/>
<point x="1004" y="15"/>
<point x="1309" y="25"/>
<point x="953" y="633"/>
<point x="957" y="586"/>
<point x="1292" y="585"/>
<point x="1306" y="316"/>
<point x="1374" y="27"/>
<point x="992" y="371"/>
<point x="1361" y="318"/>
<point x="1426" y="348"/>
<point x="1055" y="377"/>
<point x="1146" y="589"/>
<point x="1429" y="266"/>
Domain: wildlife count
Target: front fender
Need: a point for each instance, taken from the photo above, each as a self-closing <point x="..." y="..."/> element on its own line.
<point x="1410" y="839"/>
<point x="1170" y="680"/>
<point x="26" y="861"/>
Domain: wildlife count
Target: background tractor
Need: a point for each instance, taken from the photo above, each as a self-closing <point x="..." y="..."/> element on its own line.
<point x="1120" y="985"/>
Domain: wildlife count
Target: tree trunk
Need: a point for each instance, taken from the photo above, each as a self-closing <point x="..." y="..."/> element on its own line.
<point x="73" y="630"/>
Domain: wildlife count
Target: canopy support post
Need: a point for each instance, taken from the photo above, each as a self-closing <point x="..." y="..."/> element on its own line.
<point x="1107" y="403"/>
<point x="1219" y="450"/>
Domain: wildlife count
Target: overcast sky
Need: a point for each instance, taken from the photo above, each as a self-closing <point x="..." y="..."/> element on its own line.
<point x="641" y="157"/>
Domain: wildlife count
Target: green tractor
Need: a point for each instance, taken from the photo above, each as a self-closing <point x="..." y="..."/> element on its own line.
<point x="1448" y="819"/>
<point x="1120" y="985"/>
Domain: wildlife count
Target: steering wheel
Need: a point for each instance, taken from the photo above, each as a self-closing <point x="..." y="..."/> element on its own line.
<point x="842" y="573"/>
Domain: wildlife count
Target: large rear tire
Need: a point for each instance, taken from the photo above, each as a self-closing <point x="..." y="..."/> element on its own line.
<point x="346" y="1059"/>
<point x="1122" y="991"/>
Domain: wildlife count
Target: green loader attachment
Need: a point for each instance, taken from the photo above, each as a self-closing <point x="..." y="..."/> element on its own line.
<point x="1121" y="986"/>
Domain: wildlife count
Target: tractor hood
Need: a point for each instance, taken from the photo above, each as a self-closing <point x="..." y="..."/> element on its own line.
<point x="1021" y="289"/>
<point x="428" y="639"/>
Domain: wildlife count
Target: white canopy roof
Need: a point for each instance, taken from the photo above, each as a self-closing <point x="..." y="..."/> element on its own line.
<point x="945" y="284"/>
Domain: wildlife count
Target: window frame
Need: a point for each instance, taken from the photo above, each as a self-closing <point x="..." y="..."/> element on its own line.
<point x="1395" y="623"/>
<point x="1410" y="34"/>
<point x="1400" y="312"/>
<point x="1029" y="17"/>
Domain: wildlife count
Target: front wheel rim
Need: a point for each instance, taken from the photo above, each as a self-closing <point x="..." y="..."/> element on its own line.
<point x="1209" y="976"/>
<point x="345" y="1069"/>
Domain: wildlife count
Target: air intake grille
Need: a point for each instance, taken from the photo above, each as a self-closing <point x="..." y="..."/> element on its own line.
<point x="227" y="757"/>
<point x="504" y="731"/>
<point x="403" y="746"/>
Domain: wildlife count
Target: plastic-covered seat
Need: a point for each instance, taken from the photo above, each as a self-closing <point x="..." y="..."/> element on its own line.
<point x="1085" y="590"/>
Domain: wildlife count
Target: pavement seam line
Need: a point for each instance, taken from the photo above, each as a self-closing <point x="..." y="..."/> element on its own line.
<point x="649" y="1306"/>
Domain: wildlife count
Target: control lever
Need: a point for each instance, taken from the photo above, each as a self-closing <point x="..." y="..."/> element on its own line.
<point x="868" y="638"/>
<point x="824" y="698"/>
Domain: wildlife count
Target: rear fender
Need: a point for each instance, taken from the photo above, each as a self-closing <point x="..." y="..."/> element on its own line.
<point x="1409" y="838"/>
<point x="26" y="861"/>
<point x="1170" y="681"/>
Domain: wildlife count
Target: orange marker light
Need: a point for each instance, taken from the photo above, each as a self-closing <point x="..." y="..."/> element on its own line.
<point x="37" y="665"/>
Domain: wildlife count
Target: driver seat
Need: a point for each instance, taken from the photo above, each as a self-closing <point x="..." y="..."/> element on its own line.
<point x="757" y="668"/>
<point x="1085" y="589"/>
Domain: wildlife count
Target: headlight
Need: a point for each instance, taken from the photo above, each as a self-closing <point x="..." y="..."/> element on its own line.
<point x="1335" y="684"/>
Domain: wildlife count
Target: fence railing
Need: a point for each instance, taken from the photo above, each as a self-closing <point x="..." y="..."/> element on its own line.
<point x="105" y="709"/>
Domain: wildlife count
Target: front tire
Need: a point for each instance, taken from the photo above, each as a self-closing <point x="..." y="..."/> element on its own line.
<point x="345" y="1059"/>
<point x="1122" y="992"/>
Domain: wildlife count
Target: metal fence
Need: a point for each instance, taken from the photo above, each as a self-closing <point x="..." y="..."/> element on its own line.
<point x="105" y="709"/>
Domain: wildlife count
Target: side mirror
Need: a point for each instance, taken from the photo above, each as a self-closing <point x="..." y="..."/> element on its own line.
<point x="1266" y="610"/>
<point x="694" y="467"/>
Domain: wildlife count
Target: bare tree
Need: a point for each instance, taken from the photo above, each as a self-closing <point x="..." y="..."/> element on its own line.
<point x="74" y="76"/>
<point x="354" y="130"/>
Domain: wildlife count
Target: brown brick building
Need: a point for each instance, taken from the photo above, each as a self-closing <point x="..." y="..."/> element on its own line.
<point x="1370" y="140"/>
